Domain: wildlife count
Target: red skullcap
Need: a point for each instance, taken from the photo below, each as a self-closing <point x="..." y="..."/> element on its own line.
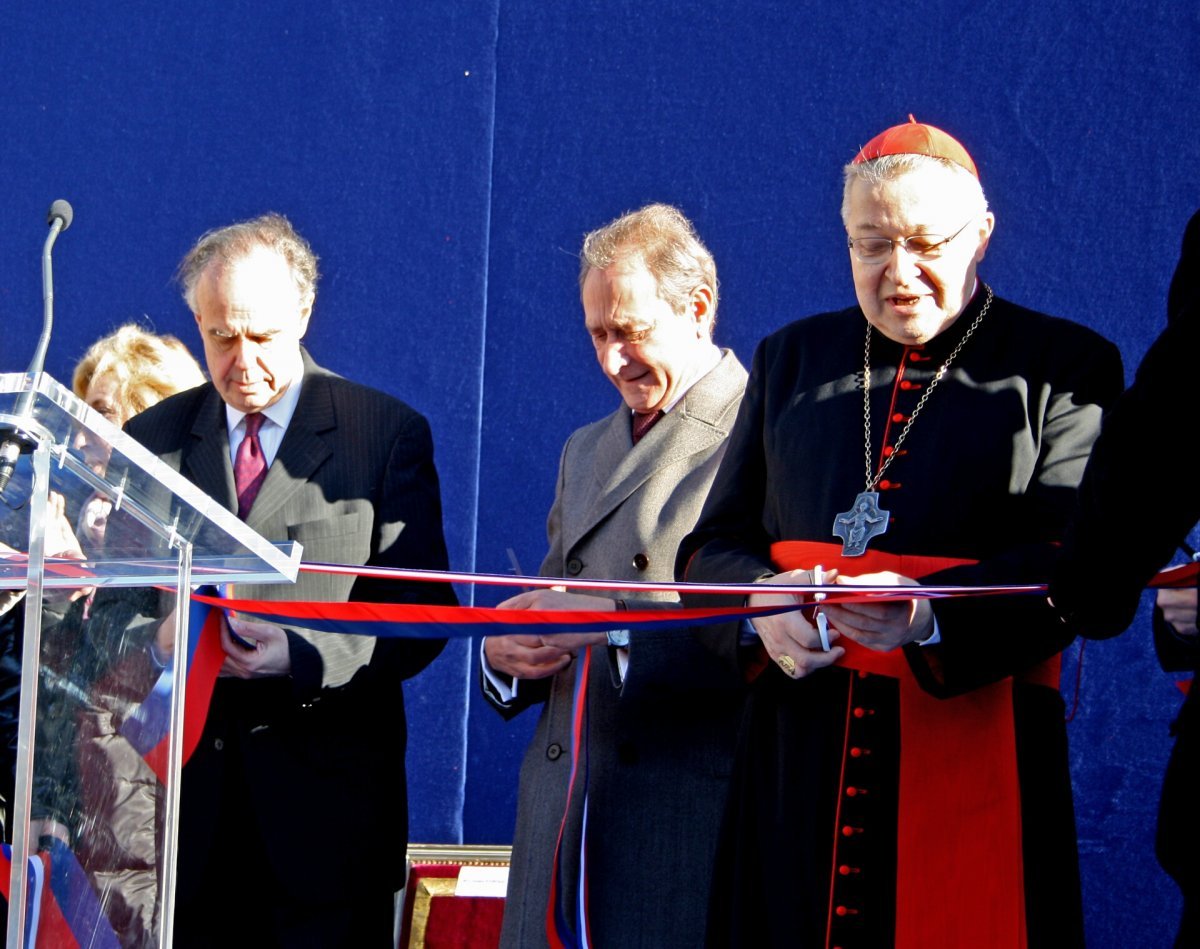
<point x="914" y="138"/>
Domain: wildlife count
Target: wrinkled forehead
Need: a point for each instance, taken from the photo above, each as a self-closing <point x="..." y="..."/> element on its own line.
<point x="257" y="286"/>
<point x="926" y="198"/>
<point x="621" y="295"/>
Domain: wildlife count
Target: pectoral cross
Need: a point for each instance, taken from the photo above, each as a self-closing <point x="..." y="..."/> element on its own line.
<point x="865" y="520"/>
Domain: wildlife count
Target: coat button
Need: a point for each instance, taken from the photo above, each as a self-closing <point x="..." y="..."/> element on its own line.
<point x="554" y="752"/>
<point x="641" y="561"/>
<point x="574" y="566"/>
<point x="218" y="744"/>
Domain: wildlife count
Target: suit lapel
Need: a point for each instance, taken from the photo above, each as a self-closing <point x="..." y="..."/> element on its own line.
<point x="207" y="463"/>
<point x="694" y="425"/>
<point x="675" y="437"/>
<point x="303" y="449"/>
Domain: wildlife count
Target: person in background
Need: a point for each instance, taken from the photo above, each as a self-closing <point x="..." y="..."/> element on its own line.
<point x="119" y="376"/>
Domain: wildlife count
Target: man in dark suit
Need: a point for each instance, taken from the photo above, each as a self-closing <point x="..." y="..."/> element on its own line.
<point x="661" y="713"/>
<point x="293" y="809"/>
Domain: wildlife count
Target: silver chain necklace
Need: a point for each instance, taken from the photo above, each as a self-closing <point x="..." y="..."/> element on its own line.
<point x="866" y="519"/>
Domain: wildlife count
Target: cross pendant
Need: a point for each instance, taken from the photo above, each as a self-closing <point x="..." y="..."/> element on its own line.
<point x="865" y="520"/>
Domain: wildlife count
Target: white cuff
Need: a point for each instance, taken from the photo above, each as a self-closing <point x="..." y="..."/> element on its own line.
<point x="934" y="638"/>
<point x="504" y="687"/>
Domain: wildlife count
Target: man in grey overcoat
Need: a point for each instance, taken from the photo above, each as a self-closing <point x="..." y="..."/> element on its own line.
<point x="660" y="712"/>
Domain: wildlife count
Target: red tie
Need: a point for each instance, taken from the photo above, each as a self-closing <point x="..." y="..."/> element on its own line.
<point x="249" y="466"/>
<point x="643" y="422"/>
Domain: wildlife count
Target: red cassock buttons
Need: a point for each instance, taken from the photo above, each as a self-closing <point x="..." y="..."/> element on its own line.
<point x="859" y="752"/>
<point x="887" y="450"/>
<point x="861" y="712"/>
<point x="847" y="871"/>
<point x="846" y="911"/>
<point x="848" y="831"/>
<point x="855" y="792"/>
<point x="898" y="417"/>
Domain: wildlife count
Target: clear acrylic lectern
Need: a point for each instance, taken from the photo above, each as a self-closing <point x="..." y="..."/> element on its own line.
<point x="98" y="540"/>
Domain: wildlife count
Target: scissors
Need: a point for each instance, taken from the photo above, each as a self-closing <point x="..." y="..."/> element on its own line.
<point x="821" y="619"/>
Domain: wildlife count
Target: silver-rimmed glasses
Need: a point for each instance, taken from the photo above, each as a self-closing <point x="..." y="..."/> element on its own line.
<point x="875" y="250"/>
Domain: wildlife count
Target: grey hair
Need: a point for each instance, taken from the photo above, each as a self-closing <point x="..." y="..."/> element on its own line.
<point x="666" y="242"/>
<point x="890" y="167"/>
<point x="231" y="243"/>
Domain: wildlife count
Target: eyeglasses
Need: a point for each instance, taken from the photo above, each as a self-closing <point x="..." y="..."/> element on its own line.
<point x="875" y="250"/>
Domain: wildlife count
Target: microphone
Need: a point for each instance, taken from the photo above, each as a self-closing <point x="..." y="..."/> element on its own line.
<point x="13" y="442"/>
<point x="62" y="210"/>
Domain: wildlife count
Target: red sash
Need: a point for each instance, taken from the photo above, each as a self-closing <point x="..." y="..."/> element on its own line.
<point x="959" y="877"/>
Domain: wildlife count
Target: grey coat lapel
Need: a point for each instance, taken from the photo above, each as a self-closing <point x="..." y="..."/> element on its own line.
<point x="694" y="425"/>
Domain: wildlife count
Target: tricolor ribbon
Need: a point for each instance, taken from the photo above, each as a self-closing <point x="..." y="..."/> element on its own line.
<point x="563" y="932"/>
<point x="146" y="728"/>
<point x="66" y="914"/>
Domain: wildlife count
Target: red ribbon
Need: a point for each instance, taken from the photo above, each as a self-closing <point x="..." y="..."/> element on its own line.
<point x="959" y="834"/>
<point x="53" y="929"/>
<point x="201" y="680"/>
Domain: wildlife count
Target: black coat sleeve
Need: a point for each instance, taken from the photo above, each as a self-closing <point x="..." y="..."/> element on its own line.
<point x="1136" y="502"/>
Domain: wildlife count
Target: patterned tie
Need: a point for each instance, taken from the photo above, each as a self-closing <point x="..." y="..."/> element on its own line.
<point x="249" y="466"/>
<point x="643" y="422"/>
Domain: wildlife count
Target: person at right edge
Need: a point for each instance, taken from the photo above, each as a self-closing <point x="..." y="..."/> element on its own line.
<point x="1135" y="506"/>
<point x="908" y="785"/>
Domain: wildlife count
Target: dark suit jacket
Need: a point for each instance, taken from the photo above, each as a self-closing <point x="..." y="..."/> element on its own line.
<point x="320" y="752"/>
<point x="660" y="746"/>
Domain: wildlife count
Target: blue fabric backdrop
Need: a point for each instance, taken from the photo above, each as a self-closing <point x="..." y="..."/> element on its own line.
<point x="445" y="159"/>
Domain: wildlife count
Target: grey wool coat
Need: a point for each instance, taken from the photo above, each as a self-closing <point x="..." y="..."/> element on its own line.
<point x="660" y="743"/>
